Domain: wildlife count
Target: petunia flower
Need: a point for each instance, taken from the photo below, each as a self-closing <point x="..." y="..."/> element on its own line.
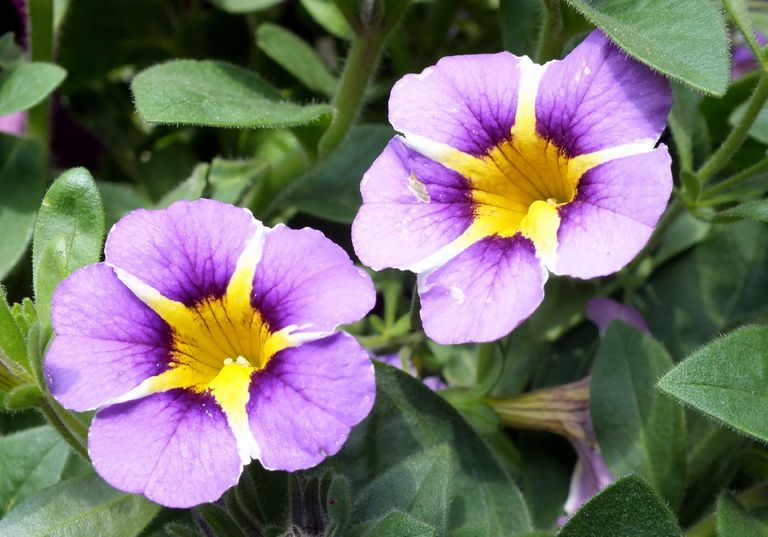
<point x="742" y="59"/>
<point x="206" y="340"/>
<point x="505" y="170"/>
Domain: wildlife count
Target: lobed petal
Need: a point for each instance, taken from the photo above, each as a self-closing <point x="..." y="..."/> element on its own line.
<point x="483" y="293"/>
<point x="597" y="97"/>
<point x="305" y="279"/>
<point x="412" y="207"/>
<point x="304" y="404"/>
<point x="107" y="341"/>
<point x="174" y="447"/>
<point x="614" y="213"/>
<point x="467" y="102"/>
<point x="187" y="252"/>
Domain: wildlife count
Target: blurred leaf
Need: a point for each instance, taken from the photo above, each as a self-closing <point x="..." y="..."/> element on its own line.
<point x="409" y="418"/>
<point x="190" y="188"/>
<point x="217" y="94"/>
<point x="417" y="485"/>
<point x="230" y="180"/>
<point x="684" y="233"/>
<point x="12" y="342"/>
<point x="26" y="84"/>
<point x="77" y="507"/>
<point x="759" y="129"/>
<point x="21" y="188"/>
<point x="244" y="6"/>
<point x="548" y="462"/>
<point x="331" y="190"/>
<point x="296" y="57"/>
<point x="627" y="507"/>
<point x="120" y="199"/>
<point x="519" y="32"/>
<point x="734" y="521"/>
<point x="639" y="430"/>
<point x="327" y="15"/>
<point x="30" y="461"/>
<point x="684" y="39"/>
<point x="751" y="210"/>
<point x="219" y="521"/>
<point x="688" y="127"/>
<point x="399" y="524"/>
<point x="68" y="234"/>
<point x="727" y="380"/>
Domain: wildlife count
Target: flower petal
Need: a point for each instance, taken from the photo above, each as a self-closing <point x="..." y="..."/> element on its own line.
<point x="174" y="447"/>
<point x="483" y="293"/>
<point x="467" y="102"/>
<point x="187" y="252"/>
<point x="598" y="97"/>
<point x="304" y="279"/>
<point x="107" y="341"/>
<point x="304" y="404"/>
<point x="603" y="311"/>
<point x="412" y="207"/>
<point x="613" y="215"/>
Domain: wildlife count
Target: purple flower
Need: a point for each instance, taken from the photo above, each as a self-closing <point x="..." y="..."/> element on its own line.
<point x="206" y="340"/>
<point x="434" y="382"/>
<point x="603" y="311"/>
<point x="15" y="123"/>
<point x="506" y="169"/>
<point x="742" y="59"/>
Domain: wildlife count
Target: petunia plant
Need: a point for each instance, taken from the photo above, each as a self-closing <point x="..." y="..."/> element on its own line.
<point x="379" y="268"/>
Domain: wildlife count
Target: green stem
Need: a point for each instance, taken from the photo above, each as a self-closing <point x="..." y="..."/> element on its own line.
<point x="68" y="426"/>
<point x="41" y="50"/>
<point x="733" y="141"/>
<point x="551" y="37"/>
<point x="362" y="60"/>
<point x="758" y="167"/>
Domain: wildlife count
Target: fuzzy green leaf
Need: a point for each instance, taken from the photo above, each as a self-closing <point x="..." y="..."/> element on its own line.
<point x="734" y="521"/>
<point x="728" y="380"/>
<point x="639" y="430"/>
<point x="399" y="524"/>
<point x="216" y="94"/>
<point x="25" y="85"/>
<point x="12" y="342"/>
<point x="684" y="39"/>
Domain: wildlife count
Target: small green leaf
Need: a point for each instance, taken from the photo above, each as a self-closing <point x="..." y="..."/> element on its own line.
<point x="12" y="342"/>
<point x="685" y="39"/>
<point x="217" y="94"/>
<point x="30" y="461"/>
<point x="627" y="507"/>
<point x="190" y="188"/>
<point x="639" y="430"/>
<point x="751" y="210"/>
<point x="231" y="180"/>
<point x="26" y="84"/>
<point x="218" y="519"/>
<point x="22" y="183"/>
<point x="119" y="199"/>
<point x="23" y="397"/>
<point x="399" y="524"/>
<point x="331" y="190"/>
<point x="734" y="521"/>
<point x="328" y="15"/>
<point x="244" y="6"/>
<point x="296" y="57"/>
<point x="759" y="129"/>
<point x="688" y="127"/>
<point x="77" y="507"/>
<point x="728" y="380"/>
<point x="68" y="234"/>
<point x="518" y="31"/>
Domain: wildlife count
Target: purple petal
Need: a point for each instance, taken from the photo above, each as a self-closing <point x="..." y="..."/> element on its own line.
<point x="598" y="97"/>
<point x="412" y="206"/>
<point x="106" y="343"/>
<point x="483" y="293"/>
<point x="305" y="279"/>
<point x="15" y="123"/>
<point x="613" y="215"/>
<point x="590" y="476"/>
<point x="467" y="102"/>
<point x="187" y="252"/>
<point x="304" y="404"/>
<point x="174" y="447"/>
<point x="603" y="311"/>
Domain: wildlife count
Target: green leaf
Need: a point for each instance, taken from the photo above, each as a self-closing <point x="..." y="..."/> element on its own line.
<point x="30" y="461"/>
<point x="737" y="9"/>
<point x="244" y="6"/>
<point x="639" y="430"/>
<point x="12" y="342"/>
<point x="331" y="190"/>
<point x="627" y="507"/>
<point x="22" y="183"/>
<point x="727" y="380"/>
<point x="190" y="188"/>
<point x="518" y="31"/>
<point x="217" y="94"/>
<point x="734" y="521"/>
<point x="296" y="57"/>
<point x="684" y="39"/>
<point x="417" y="485"/>
<point x="759" y="129"/>
<point x="119" y="199"/>
<point x="77" y="507"/>
<point x="25" y="85"/>
<point x="219" y="520"/>
<point x="68" y="234"/>
<point x="328" y="15"/>
<point x="231" y="180"/>
<point x="688" y="127"/>
<point x="409" y="418"/>
<point x="23" y="397"/>
<point x="401" y="525"/>
<point x="751" y="210"/>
